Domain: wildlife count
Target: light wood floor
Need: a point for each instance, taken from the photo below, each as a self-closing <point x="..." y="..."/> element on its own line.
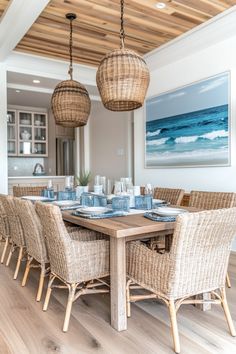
<point x="25" y="329"/>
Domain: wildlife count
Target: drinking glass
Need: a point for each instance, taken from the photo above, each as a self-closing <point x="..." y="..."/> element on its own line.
<point x="143" y="202"/>
<point x="103" y="183"/>
<point x="87" y="199"/>
<point x="120" y="203"/>
<point x="97" y="180"/>
<point x="48" y="193"/>
<point x="100" y="200"/>
<point x="148" y="189"/>
<point x="66" y="195"/>
<point x="110" y="186"/>
<point x="118" y="188"/>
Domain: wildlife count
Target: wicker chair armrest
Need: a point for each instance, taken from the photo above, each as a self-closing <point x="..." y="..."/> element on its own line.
<point x="147" y="267"/>
<point x="91" y="258"/>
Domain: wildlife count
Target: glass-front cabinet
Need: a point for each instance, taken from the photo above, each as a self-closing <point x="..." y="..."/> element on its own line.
<point x="11" y="133"/>
<point x="28" y="135"/>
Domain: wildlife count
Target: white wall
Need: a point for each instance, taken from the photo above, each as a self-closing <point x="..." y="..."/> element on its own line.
<point x="202" y="64"/>
<point x="3" y="130"/>
<point x="109" y="135"/>
<point x="200" y="59"/>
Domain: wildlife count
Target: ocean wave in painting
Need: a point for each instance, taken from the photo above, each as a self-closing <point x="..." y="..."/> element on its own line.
<point x="199" y="137"/>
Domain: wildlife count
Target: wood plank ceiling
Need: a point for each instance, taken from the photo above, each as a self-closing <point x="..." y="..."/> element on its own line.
<point x="96" y="29"/>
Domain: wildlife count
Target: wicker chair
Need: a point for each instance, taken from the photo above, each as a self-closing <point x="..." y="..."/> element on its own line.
<point x="35" y="242"/>
<point x="4" y="228"/>
<point x="19" y="191"/>
<point x="171" y="195"/>
<point x="177" y="276"/>
<point x="15" y="231"/>
<point x="213" y="200"/>
<point x="74" y="262"/>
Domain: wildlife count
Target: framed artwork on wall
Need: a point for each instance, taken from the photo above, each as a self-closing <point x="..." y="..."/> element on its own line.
<point x="189" y="126"/>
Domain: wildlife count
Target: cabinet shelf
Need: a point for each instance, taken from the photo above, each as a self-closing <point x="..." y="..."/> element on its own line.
<point x="21" y="147"/>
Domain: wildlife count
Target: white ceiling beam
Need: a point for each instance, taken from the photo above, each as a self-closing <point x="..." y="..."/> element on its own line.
<point x="16" y="21"/>
<point x="41" y="90"/>
<point x="29" y="88"/>
<point x="50" y="68"/>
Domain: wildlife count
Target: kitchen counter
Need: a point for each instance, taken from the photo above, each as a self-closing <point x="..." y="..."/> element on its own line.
<point x="30" y="177"/>
<point x="57" y="181"/>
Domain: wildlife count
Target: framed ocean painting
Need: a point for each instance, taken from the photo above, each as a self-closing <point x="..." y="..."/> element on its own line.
<point x="190" y="126"/>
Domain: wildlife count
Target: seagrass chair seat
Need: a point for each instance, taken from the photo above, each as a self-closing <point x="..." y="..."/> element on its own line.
<point x="197" y="263"/>
<point x="20" y="191"/>
<point x="79" y="261"/>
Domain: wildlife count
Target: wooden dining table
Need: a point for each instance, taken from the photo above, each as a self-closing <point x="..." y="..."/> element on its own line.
<point x="121" y="230"/>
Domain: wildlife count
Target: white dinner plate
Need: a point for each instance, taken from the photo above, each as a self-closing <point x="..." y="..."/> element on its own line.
<point x="166" y="211"/>
<point x="93" y="210"/>
<point x="159" y="201"/>
<point x="36" y="198"/>
<point x="64" y="203"/>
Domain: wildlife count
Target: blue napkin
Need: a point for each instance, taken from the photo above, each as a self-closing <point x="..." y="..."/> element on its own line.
<point x="154" y="217"/>
<point x="109" y="214"/>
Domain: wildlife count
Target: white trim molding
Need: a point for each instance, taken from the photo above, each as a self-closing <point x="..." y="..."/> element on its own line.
<point x="16" y="21"/>
<point x="50" y="68"/>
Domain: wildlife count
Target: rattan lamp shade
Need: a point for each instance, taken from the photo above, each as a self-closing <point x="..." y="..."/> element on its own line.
<point x="122" y="79"/>
<point x="70" y="100"/>
<point x="70" y="104"/>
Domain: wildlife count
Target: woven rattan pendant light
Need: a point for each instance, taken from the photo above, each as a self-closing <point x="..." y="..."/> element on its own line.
<point x="122" y="77"/>
<point x="70" y="100"/>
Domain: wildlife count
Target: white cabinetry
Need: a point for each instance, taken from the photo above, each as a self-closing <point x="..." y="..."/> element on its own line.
<point x="27" y="133"/>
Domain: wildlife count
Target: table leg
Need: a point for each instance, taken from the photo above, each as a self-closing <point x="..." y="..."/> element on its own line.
<point x="207" y="305"/>
<point x="118" y="283"/>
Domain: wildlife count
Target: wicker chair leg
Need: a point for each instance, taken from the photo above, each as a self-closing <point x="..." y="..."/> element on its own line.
<point x="225" y="306"/>
<point x="228" y="282"/>
<point x="4" y="249"/>
<point x="18" y="263"/>
<point x="41" y="282"/>
<point x="12" y="249"/>
<point x="174" y="326"/>
<point x="49" y="290"/>
<point x="72" y="289"/>
<point x="27" y="270"/>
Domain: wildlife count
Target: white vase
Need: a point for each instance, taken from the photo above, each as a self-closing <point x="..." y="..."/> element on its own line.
<point x="80" y="190"/>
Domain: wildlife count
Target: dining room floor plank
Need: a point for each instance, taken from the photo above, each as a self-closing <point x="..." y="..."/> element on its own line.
<point x="26" y="329"/>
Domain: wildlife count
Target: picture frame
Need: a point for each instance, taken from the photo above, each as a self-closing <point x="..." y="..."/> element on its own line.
<point x="190" y="126"/>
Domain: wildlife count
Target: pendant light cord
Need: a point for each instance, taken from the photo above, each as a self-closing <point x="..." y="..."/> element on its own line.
<point x="70" y="72"/>
<point x="122" y="32"/>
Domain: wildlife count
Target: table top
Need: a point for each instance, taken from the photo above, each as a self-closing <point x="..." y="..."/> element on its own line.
<point x="124" y="226"/>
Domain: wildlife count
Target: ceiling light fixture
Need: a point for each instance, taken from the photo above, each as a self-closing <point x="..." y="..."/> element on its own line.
<point x="70" y="100"/>
<point x="36" y="81"/>
<point x="122" y="76"/>
<point x="17" y="91"/>
<point x="160" y="5"/>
